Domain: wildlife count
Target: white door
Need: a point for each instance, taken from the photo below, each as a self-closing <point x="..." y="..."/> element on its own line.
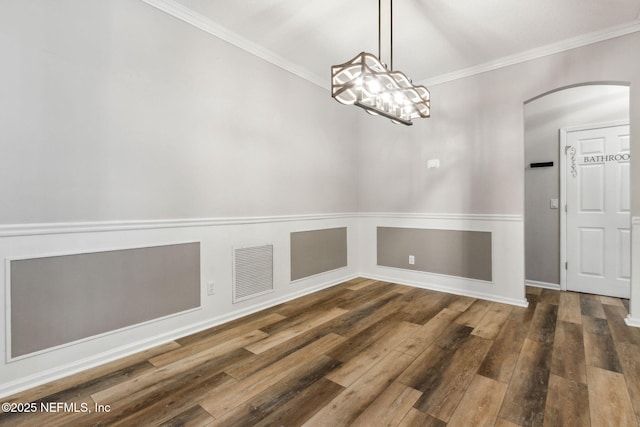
<point x="598" y="239"/>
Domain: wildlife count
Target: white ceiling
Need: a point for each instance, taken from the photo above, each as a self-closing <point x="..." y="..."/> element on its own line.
<point x="433" y="40"/>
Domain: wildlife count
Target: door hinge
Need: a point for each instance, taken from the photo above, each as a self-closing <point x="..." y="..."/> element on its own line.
<point x="565" y="208"/>
<point x="566" y="265"/>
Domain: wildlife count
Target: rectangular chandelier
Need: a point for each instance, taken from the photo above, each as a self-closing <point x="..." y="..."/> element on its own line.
<point x="365" y="82"/>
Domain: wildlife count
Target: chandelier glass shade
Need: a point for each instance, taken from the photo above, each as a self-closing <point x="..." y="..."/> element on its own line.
<point x="366" y="82"/>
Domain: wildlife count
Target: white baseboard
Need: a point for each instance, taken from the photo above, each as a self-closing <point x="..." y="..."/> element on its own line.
<point x="65" y="370"/>
<point x="449" y="290"/>
<point x="632" y="321"/>
<point x="545" y="285"/>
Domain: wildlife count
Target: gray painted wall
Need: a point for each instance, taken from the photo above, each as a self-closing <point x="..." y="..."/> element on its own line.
<point x="476" y="129"/>
<point x="318" y="251"/>
<point x="60" y="299"/>
<point x="114" y="110"/>
<point x="543" y="118"/>
<point x="451" y="252"/>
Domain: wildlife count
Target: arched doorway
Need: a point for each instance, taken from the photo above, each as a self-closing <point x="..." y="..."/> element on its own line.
<point x="545" y="117"/>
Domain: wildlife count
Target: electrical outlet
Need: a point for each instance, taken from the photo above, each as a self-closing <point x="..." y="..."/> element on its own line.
<point x="412" y="260"/>
<point x="211" y="289"/>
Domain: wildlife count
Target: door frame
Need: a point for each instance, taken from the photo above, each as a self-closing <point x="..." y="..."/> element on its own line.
<point x="563" y="189"/>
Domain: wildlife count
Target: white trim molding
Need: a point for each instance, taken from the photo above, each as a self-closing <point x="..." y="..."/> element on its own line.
<point x="632" y="321"/>
<point x="544" y="285"/>
<point x="15" y="230"/>
<point x="449" y="290"/>
<point x="443" y="216"/>
<point x="205" y="24"/>
<point x="539" y="52"/>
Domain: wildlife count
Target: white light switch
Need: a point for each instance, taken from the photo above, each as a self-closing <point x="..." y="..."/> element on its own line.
<point x="554" y="204"/>
<point x="433" y="163"/>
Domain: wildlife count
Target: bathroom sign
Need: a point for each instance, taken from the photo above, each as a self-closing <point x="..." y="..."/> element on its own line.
<point x="604" y="158"/>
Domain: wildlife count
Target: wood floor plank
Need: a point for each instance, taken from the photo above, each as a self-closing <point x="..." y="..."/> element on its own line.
<point x="480" y="404"/>
<point x="389" y="408"/>
<point x="617" y="326"/>
<point x="423" y="309"/>
<point x="164" y="401"/>
<point x="569" y="308"/>
<point x="461" y="303"/>
<point x="543" y="323"/>
<point x="415" y="418"/>
<point x="617" y="302"/>
<point x="302" y="407"/>
<point x="245" y="367"/>
<point x="567" y="403"/>
<point x="360" y="318"/>
<point x="214" y="355"/>
<point x="359" y="364"/>
<point x="353" y="401"/>
<point x="230" y="396"/>
<point x="278" y="338"/>
<point x="628" y="354"/>
<point x="501" y="422"/>
<point x="426" y="334"/>
<point x="360" y="284"/>
<point x="476" y="311"/>
<point x="568" y="359"/>
<point x="526" y="395"/>
<point x="93" y="375"/>
<point x="404" y="356"/>
<point x="368" y="295"/>
<point x="193" y="417"/>
<point x="277" y="395"/>
<point x="490" y="325"/>
<point x="599" y="347"/>
<point x="222" y="338"/>
<point x="609" y="401"/>
<point x="591" y="306"/>
<point x="441" y="399"/>
<point x="503" y="355"/>
<point x="548" y="296"/>
<point x="533" y="290"/>
<point x="425" y="371"/>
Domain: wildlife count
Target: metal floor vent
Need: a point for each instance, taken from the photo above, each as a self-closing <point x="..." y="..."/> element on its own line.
<point x="253" y="272"/>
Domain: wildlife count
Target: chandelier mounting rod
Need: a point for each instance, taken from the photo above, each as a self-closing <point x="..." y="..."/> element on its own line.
<point x="390" y="33"/>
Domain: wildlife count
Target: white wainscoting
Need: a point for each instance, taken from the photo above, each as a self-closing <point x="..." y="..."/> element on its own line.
<point x="634" y="316"/>
<point x="218" y="237"/>
<point x="507" y="241"/>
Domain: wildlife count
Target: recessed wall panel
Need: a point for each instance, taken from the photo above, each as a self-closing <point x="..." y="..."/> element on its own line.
<point x="60" y="299"/>
<point x="318" y="251"/>
<point x="452" y="252"/>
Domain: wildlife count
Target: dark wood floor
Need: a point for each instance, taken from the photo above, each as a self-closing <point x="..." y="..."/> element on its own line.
<point x="367" y="353"/>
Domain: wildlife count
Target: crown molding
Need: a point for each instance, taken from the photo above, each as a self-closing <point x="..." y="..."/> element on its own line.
<point x="539" y="52"/>
<point x="205" y="24"/>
